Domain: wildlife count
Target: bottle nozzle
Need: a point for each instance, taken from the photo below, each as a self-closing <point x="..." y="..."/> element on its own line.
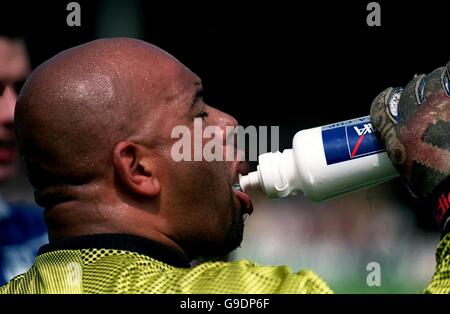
<point x="250" y="181"/>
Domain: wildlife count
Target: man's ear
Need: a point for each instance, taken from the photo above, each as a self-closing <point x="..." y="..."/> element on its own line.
<point x="135" y="168"/>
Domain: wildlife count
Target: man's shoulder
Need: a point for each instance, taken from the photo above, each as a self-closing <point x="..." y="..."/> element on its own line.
<point x="19" y="285"/>
<point x="114" y="271"/>
<point x="135" y="273"/>
<point x="244" y="276"/>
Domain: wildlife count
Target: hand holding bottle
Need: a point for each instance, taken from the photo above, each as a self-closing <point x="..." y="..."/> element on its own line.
<point x="414" y="125"/>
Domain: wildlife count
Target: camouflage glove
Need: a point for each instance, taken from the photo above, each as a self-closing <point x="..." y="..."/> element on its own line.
<point x="414" y="125"/>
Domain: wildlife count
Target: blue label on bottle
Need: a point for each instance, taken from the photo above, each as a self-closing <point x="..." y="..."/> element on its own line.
<point x="350" y="139"/>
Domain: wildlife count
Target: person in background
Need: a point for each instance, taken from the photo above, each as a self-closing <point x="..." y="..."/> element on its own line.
<point x="22" y="228"/>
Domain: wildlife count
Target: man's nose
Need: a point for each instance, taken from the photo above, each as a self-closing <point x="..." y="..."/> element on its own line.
<point x="7" y="105"/>
<point x="224" y="119"/>
<point x="228" y="124"/>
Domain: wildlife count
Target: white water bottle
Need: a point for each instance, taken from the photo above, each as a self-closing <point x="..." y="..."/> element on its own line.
<point x="324" y="162"/>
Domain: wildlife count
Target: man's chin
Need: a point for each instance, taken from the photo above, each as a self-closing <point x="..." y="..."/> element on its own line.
<point x="218" y="250"/>
<point x="7" y="172"/>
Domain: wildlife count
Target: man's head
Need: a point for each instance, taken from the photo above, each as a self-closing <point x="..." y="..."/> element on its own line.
<point x="94" y="128"/>
<point x="13" y="69"/>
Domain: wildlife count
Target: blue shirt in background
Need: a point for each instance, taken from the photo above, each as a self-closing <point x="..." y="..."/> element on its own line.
<point x="22" y="233"/>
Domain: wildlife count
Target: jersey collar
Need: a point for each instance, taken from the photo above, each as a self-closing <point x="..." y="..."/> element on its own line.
<point x="124" y="242"/>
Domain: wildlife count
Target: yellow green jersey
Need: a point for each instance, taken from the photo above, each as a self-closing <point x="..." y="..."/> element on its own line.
<point x="129" y="264"/>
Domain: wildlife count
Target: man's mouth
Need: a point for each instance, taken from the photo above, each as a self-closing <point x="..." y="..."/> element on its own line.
<point x="7" y="151"/>
<point x="244" y="199"/>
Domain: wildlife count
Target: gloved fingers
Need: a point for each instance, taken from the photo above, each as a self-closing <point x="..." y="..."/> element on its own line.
<point x="412" y="96"/>
<point x="384" y="117"/>
<point x="433" y="84"/>
<point x="445" y="79"/>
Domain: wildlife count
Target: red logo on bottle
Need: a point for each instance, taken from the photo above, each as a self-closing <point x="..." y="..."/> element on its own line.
<point x="443" y="205"/>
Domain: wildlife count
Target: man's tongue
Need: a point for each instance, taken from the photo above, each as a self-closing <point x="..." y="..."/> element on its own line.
<point x="245" y="200"/>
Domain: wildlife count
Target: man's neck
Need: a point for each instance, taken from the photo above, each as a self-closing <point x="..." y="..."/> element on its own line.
<point x="74" y="218"/>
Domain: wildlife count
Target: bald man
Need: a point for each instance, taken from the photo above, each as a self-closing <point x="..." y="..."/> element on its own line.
<point x="94" y="127"/>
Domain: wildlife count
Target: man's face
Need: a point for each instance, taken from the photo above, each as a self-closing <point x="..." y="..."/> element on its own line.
<point x="13" y="70"/>
<point x="203" y="213"/>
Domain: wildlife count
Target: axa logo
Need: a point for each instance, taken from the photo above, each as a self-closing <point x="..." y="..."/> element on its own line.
<point x="442" y="206"/>
<point x="365" y="129"/>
